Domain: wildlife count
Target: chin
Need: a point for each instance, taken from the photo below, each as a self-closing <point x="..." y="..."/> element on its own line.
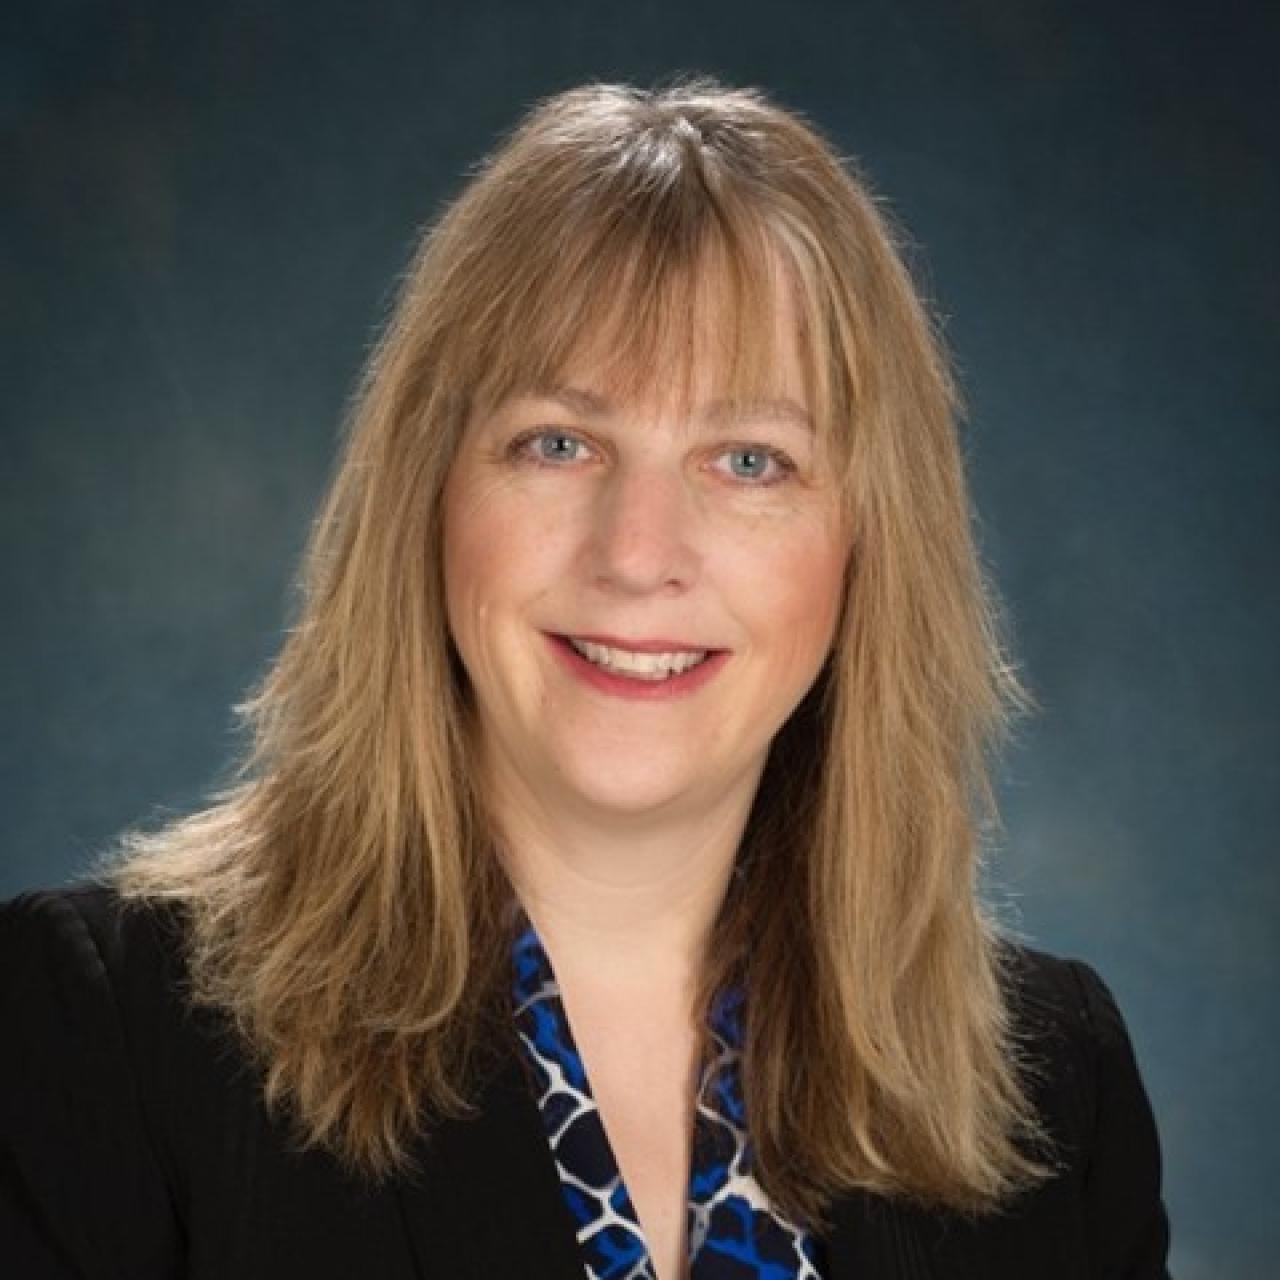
<point x="627" y="796"/>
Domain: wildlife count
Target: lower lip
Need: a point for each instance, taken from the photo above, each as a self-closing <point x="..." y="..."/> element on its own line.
<point x="677" y="686"/>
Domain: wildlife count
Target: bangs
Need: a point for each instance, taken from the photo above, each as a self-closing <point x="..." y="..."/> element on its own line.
<point x="655" y="299"/>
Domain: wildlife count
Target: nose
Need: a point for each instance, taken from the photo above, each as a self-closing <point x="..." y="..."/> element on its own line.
<point x="644" y="532"/>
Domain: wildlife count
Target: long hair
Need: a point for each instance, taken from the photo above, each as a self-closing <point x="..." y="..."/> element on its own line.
<point x="343" y="902"/>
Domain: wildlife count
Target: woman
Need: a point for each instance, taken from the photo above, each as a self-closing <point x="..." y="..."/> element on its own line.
<point x="598" y="895"/>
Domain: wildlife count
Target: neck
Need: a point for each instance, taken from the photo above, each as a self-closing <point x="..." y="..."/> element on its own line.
<point x="624" y="904"/>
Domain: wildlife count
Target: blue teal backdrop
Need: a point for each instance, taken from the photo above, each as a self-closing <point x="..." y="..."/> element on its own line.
<point x="204" y="211"/>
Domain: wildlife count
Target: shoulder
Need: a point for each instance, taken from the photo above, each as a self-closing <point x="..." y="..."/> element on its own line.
<point x="135" y="1138"/>
<point x="1083" y="1074"/>
<point x="91" y="981"/>
<point x="112" y="959"/>
<point x="1067" y="1027"/>
<point x="95" y="999"/>
<point x="1061" y="1007"/>
<point x="84" y="995"/>
<point x="89" y="914"/>
<point x="1058" y="992"/>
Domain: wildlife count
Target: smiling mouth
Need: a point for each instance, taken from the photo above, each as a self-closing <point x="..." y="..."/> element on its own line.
<point x="639" y="666"/>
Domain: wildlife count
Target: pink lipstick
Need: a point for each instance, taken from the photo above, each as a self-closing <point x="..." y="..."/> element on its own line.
<point x="679" y="685"/>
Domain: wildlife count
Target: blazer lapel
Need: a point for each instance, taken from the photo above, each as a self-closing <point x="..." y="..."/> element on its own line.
<point x="486" y="1200"/>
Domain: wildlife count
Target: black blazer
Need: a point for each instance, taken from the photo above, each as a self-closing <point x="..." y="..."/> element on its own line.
<point x="133" y="1144"/>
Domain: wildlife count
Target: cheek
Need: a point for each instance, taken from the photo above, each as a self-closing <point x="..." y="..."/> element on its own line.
<point x="478" y="576"/>
<point x="470" y="559"/>
<point x="793" y="584"/>
<point x="497" y="554"/>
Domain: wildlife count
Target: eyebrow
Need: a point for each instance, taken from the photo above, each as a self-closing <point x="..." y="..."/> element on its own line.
<point x="715" y="413"/>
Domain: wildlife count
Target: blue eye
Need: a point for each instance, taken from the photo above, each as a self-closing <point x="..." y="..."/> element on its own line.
<point x="545" y="447"/>
<point x="757" y="466"/>
<point x="753" y="462"/>
<point x="560" y="448"/>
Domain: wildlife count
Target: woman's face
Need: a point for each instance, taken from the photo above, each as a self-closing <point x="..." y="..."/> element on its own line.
<point x="653" y="540"/>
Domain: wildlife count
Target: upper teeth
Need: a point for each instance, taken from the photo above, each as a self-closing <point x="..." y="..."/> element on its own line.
<point x="648" y="666"/>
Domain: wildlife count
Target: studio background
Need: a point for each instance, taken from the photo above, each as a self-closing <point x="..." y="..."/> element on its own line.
<point x="204" y="215"/>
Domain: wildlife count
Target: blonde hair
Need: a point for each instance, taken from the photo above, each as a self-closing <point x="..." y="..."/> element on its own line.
<point x="343" y="901"/>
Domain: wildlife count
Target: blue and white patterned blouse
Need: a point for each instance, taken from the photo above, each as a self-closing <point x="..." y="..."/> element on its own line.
<point x="734" y="1234"/>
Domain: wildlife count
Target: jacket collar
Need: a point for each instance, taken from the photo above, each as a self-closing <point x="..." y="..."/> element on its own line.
<point x="486" y="1195"/>
<point x="486" y="1201"/>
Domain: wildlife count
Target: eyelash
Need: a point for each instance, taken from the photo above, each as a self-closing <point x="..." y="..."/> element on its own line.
<point x="516" y="450"/>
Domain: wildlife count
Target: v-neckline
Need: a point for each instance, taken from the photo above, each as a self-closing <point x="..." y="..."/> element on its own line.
<point x="606" y="1222"/>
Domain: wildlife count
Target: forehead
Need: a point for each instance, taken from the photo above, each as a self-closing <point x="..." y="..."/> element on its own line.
<point x="712" y="347"/>
<point x="721" y="411"/>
